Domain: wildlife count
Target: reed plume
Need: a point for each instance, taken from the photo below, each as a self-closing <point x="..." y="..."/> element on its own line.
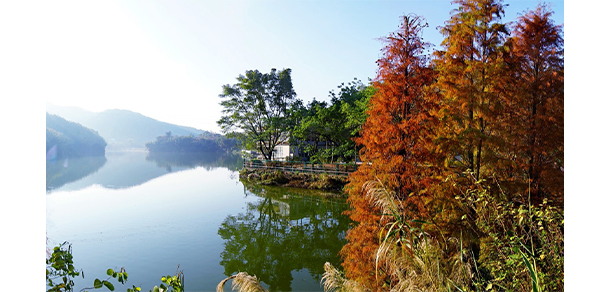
<point x="242" y="282"/>
<point x="334" y="281"/>
<point x="411" y="258"/>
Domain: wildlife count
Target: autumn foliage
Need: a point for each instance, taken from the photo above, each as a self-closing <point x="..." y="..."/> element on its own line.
<point x="396" y="141"/>
<point x="537" y="103"/>
<point x="486" y="110"/>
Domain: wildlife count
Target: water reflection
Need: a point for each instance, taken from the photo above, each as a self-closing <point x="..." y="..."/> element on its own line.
<point x="209" y="161"/>
<point x="63" y="171"/>
<point x="285" y="231"/>
<point x="120" y="170"/>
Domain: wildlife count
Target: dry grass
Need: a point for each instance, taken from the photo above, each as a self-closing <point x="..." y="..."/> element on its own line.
<point x="428" y="268"/>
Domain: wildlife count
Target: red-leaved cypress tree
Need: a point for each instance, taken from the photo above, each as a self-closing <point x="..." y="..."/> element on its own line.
<point x="396" y="140"/>
<point x="537" y="106"/>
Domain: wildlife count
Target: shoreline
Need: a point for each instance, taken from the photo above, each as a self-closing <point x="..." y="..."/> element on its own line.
<point x="311" y="181"/>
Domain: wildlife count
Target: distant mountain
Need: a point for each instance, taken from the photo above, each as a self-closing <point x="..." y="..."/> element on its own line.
<point x="70" y="139"/>
<point x="123" y="129"/>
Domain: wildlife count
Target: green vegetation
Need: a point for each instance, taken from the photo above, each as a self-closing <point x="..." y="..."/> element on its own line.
<point x="70" y="139"/>
<point x="60" y="265"/>
<point x="296" y="180"/>
<point x="256" y="109"/>
<point x="261" y="111"/>
<point x="325" y="132"/>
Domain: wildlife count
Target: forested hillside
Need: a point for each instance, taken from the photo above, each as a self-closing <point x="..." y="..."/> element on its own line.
<point x="122" y="129"/>
<point x="70" y="139"/>
<point x="205" y="143"/>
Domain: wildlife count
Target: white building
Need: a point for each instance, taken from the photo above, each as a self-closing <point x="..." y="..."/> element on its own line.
<point x="284" y="151"/>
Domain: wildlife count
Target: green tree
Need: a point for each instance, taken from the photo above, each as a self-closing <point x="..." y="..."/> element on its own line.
<point x="306" y="133"/>
<point x="326" y="131"/>
<point x="256" y="107"/>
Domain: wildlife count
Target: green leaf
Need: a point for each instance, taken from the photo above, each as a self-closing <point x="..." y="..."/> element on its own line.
<point x="97" y="284"/>
<point x="109" y="285"/>
<point x="109" y="272"/>
<point x="420" y="221"/>
<point x="533" y="273"/>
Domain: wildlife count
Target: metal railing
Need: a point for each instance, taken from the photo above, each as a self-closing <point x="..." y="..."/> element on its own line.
<point x="301" y="167"/>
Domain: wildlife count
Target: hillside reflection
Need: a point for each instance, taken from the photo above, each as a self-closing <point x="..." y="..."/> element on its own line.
<point x="286" y="230"/>
<point x="208" y="161"/>
<point x="66" y="170"/>
<point x="120" y="170"/>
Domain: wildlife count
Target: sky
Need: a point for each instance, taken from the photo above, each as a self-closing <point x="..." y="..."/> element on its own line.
<point x="169" y="59"/>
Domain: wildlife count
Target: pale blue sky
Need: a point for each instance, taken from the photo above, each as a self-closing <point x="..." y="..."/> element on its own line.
<point x="169" y="59"/>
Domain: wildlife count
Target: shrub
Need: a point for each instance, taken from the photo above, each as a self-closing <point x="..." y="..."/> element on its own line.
<point x="521" y="246"/>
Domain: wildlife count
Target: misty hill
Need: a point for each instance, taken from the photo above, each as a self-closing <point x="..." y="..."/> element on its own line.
<point x="190" y="144"/>
<point x="123" y="129"/>
<point x="70" y="139"/>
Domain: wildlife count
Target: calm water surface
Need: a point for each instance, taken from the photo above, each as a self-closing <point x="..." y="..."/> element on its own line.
<point x="156" y="214"/>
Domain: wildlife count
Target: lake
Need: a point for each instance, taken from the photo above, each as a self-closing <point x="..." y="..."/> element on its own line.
<point x="155" y="214"/>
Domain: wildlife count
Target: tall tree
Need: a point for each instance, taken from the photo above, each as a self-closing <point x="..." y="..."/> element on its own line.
<point x="537" y="134"/>
<point x="255" y="109"/>
<point x="472" y="74"/>
<point x="396" y="139"/>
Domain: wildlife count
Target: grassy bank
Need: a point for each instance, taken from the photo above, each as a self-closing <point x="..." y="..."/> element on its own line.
<point x="295" y="180"/>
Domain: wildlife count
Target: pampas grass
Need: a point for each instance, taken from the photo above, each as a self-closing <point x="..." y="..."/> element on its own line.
<point x="242" y="282"/>
<point x="408" y="257"/>
<point x="379" y="196"/>
<point x="334" y="281"/>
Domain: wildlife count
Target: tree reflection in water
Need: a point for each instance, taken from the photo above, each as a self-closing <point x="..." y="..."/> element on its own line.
<point x="286" y="230"/>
